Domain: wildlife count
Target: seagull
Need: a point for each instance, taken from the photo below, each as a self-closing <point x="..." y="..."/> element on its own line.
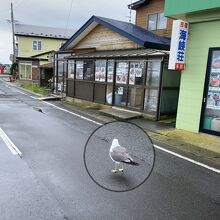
<point x="119" y="155"/>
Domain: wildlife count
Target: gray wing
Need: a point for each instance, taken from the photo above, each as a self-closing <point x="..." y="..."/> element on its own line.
<point x="120" y="154"/>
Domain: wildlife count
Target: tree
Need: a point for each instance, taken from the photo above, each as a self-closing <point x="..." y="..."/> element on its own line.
<point x="14" y="70"/>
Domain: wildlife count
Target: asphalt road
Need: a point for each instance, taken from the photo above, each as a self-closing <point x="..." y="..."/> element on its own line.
<point x="51" y="182"/>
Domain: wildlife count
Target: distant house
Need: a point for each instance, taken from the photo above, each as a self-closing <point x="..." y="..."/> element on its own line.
<point x="5" y="68"/>
<point x="34" y="45"/>
<point x="150" y="15"/>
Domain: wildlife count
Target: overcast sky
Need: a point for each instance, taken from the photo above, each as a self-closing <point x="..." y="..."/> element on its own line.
<point x="54" y="13"/>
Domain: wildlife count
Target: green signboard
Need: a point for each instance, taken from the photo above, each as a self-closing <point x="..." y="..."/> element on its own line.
<point x="178" y="7"/>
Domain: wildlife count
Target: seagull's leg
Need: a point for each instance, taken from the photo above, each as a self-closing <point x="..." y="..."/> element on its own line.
<point x="116" y="167"/>
<point x="121" y="168"/>
<point x="115" y="170"/>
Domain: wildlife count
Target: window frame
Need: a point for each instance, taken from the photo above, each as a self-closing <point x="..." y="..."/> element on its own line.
<point x="79" y="63"/>
<point x="117" y="68"/>
<point x="148" y="19"/>
<point x="25" y="64"/>
<point x="157" y="19"/>
<point x="97" y="73"/>
<point x="86" y="63"/>
<point x="71" y="69"/>
<point x="37" y="45"/>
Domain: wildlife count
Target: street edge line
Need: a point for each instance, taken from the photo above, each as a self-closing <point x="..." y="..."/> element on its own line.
<point x="188" y="159"/>
<point x="72" y="113"/>
<point x="11" y="146"/>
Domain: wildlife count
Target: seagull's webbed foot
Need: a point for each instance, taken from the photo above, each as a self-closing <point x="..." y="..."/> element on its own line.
<point x="118" y="168"/>
<point x="114" y="171"/>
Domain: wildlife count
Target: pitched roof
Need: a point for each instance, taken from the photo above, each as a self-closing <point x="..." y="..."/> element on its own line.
<point x="44" y="53"/>
<point x="133" y="32"/>
<point x="138" y="4"/>
<point x="42" y="31"/>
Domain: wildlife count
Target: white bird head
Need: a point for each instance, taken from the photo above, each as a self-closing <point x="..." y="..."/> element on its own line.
<point x="115" y="143"/>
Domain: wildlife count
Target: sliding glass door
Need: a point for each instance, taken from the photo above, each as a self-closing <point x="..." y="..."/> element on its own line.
<point x="210" y="119"/>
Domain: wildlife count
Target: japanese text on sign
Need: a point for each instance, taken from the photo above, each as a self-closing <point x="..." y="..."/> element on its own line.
<point x="178" y="45"/>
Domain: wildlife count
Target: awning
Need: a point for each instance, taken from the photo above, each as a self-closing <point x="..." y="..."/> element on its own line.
<point x="121" y="53"/>
<point x="47" y="65"/>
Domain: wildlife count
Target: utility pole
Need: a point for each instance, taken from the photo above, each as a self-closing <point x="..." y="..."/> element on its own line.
<point x="13" y="32"/>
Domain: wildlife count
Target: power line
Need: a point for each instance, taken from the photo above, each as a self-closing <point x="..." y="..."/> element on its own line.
<point x="18" y="2"/>
<point x="15" y="4"/>
<point x="67" y="23"/>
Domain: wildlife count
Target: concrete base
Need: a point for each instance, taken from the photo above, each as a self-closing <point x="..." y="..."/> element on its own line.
<point x="50" y="98"/>
<point x="85" y="104"/>
<point x="120" y="114"/>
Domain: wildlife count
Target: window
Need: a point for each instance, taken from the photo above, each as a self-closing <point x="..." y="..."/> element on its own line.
<point x="110" y="71"/>
<point x="79" y="69"/>
<point x="120" y="95"/>
<point x="109" y="92"/>
<point x="161" y="21"/>
<point x="37" y="45"/>
<point x="211" y="116"/>
<point x="136" y="73"/>
<point x="157" y="21"/>
<point x="150" y="101"/>
<point x="85" y="70"/>
<point x="25" y="70"/>
<point x="152" y="22"/>
<point x="134" y="97"/>
<point x="122" y="72"/>
<point x="153" y="73"/>
<point x="61" y="68"/>
<point x="71" y="68"/>
<point x="100" y="70"/>
<point x="88" y="70"/>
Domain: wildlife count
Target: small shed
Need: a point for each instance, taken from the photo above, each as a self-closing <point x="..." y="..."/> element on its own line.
<point x="46" y="74"/>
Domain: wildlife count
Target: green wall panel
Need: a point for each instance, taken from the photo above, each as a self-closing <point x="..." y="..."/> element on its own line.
<point x="202" y="36"/>
<point x="175" y="7"/>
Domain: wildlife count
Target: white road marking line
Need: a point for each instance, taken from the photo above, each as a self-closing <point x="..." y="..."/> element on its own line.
<point x="27" y="94"/>
<point x="156" y="146"/>
<point x="11" y="146"/>
<point x="21" y="92"/>
<point x="77" y="115"/>
<point x="33" y="97"/>
<point x="188" y="159"/>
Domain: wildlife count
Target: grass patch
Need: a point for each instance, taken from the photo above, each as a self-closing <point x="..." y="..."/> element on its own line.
<point x="33" y="87"/>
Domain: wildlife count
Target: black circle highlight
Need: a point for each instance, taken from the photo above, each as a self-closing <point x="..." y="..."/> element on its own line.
<point x="98" y="163"/>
